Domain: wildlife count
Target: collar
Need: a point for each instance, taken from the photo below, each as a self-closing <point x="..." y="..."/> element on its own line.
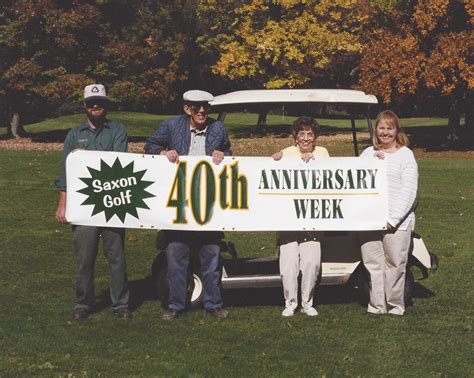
<point x="198" y="132"/>
<point x="85" y="125"/>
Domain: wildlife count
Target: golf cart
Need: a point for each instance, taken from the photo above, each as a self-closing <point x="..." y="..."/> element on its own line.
<point x="340" y="251"/>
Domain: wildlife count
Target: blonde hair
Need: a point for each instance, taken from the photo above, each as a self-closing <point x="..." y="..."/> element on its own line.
<point x="391" y="119"/>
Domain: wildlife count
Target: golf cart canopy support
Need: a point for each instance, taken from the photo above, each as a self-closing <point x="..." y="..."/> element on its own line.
<point x="269" y="97"/>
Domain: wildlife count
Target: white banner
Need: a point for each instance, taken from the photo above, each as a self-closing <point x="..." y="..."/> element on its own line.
<point x="240" y="194"/>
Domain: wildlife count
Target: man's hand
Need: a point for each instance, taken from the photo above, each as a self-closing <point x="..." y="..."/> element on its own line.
<point x="217" y="157"/>
<point x="61" y="210"/>
<point x="172" y="155"/>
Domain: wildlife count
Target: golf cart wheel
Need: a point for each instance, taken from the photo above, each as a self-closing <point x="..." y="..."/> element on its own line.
<point x="195" y="290"/>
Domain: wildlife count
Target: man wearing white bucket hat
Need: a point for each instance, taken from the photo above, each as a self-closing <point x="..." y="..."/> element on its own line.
<point x="97" y="133"/>
<point x="192" y="133"/>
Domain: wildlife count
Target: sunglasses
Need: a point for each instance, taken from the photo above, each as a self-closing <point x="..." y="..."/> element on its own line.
<point x="95" y="103"/>
<point x="197" y="107"/>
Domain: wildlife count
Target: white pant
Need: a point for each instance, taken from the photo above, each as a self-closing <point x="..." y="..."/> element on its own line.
<point x="294" y="257"/>
<point x="385" y="256"/>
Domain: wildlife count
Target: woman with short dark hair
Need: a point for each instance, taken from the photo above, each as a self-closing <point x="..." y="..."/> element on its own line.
<point x="300" y="250"/>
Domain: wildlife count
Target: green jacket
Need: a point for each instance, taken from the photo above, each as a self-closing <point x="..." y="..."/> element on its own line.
<point x="111" y="137"/>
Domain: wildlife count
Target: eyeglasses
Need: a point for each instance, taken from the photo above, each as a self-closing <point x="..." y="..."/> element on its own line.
<point x="197" y="107"/>
<point x="95" y="103"/>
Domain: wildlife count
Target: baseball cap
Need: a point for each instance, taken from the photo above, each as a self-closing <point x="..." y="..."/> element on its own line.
<point x="95" y="92"/>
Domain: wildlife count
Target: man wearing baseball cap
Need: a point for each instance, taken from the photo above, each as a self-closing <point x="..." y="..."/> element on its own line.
<point x="192" y="133"/>
<point x="97" y="133"/>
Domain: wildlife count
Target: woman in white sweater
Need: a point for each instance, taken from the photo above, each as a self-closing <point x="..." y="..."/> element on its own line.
<point x="385" y="253"/>
<point x="300" y="250"/>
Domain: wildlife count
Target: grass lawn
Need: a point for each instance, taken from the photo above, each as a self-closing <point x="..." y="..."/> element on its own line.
<point x="143" y="125"/>
<point x="434" y="338"/>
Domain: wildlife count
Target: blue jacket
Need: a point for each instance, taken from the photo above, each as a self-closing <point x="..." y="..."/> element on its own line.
<point x="175" y="134"/>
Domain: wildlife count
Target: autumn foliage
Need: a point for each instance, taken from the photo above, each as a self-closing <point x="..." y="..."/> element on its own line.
<point x="148" y="52"/>
<point x="421" y="50"/>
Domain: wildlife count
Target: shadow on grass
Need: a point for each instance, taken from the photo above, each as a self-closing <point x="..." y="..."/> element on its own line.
<point x="53" y="136"/>
<point x="432" y="138"/>
<point x="274" y="296"/>
<point x="142" y="291"/>
<point x="59" y="135"/>
<point x="436" y="138"/>
<point x="336" y="294"/>
<point x="419" y="291"/>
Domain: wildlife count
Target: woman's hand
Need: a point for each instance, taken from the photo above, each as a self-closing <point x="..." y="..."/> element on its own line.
<point x="379" y="154"/>
<point x="307" y="156"/>
<point x="277" y="155"/>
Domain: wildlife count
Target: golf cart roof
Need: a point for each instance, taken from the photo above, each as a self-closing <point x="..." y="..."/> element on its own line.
<point x="261" y="96"/>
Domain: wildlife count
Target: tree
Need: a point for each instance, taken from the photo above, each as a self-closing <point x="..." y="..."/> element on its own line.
<point x="419" y="50"/>
<point x="46" y="46"/>
<point x="283" y="44"/>
<point x="51" y="49"/>
<point x="146" y="59"/>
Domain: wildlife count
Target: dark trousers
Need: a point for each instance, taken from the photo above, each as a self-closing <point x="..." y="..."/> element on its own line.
<point x="86" y="244"/>
<point x="179" y="246"/>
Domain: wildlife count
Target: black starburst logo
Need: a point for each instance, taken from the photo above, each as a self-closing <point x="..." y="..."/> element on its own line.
<point x="116" y="190"/>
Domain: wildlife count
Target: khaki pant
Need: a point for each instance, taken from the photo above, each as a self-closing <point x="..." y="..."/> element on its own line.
<point x="385" y="257"/>
<point x="296" y="257"/>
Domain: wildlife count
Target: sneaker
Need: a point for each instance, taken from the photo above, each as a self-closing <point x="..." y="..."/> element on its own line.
<point x="218" y="313"/>
<point x="310" y="311"/>
<point x="288" y="312"/>
<point x="170" y="314"/>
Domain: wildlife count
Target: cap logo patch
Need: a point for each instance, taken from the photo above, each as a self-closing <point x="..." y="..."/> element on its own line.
<point x="95" y="89"/>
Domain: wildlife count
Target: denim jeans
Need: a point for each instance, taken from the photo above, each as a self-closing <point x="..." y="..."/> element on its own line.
<point x="86" y="243"/>
<point x="180" y="244"/>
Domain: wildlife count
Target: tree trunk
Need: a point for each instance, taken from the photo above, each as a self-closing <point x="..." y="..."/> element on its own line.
<point x="262" y="120"/>
<point x="468" y="133"/>
<point x="469" y="110"/>
<point x="16" y="128"/>
<point x="454" y="120"/>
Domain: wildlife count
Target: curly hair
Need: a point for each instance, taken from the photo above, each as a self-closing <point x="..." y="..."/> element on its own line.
<point x="304" y="123"/>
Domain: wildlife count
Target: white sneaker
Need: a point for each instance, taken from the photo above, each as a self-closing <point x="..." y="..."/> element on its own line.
<point x="310" y="311"/>
<point x="288" y="312"/>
